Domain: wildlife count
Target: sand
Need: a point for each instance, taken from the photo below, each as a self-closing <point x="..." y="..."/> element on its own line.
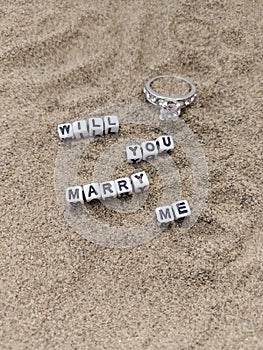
<point x="202" y="289"/>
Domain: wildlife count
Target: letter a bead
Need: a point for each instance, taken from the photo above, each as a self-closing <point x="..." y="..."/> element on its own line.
<point x="92" y="191"/>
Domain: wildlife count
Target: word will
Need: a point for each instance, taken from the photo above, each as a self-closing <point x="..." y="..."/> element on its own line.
<point x="89" y="128"/>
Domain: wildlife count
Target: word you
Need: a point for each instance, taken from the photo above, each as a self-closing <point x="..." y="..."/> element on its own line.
<point x="110" y="189"/>
<point x="149" y="149"/>
<point x="89" y="128"/>
<point x="178" y="210"/>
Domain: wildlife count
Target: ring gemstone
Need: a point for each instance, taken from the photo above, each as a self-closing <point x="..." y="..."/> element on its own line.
<point x="170" y="111"/>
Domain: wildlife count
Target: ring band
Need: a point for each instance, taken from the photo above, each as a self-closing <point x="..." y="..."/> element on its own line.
<point x="170" y="105"/>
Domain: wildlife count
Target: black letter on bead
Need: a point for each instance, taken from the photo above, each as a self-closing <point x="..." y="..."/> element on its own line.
<point x="107" y="187"/>
<point x="133" y="149"/>
<point x="167" y="141"/>
<point x="181" y="208"/>
<point x="151" y="148"/>
<point x="122" y="183"/>
<point x="112" y="124"/>
<point x="139" y="177"/>
<point x="92" y="191"/>
<point x="73" y="195"/>
<point x="63" y="128"/>
<point x="166" y="214"/>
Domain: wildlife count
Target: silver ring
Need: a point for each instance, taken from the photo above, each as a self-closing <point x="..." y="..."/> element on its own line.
<point x="170" y="105"/>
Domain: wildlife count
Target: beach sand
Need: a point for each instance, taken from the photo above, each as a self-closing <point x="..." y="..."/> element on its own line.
<point x="201" y="289"/>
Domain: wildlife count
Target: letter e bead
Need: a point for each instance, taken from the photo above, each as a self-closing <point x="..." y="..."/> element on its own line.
<point x="181" y="209"/>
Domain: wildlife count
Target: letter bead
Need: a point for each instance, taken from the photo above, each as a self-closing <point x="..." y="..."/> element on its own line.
<point x="165" y="143"/>
<point x="80" y="129"/>
<point x="96" y="126"/>
<point x="65" y="131"/>
<point x="149" y="150"/>
<point x="133" y="154"/>
<point x="140" y="182"/>
<point x="74" y="195"/>
<point x="92" y="191"/>
<point x="164" y="215"/>
<point x="181" y="209"/>
<point x="108" y="190"/>
<point x="111" y="124"/>
<point x="123" y="186"/>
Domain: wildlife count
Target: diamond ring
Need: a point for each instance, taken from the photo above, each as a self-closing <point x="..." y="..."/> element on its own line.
<point x="170" y="105"/>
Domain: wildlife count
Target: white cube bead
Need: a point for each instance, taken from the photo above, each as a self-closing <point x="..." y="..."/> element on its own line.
<point x="80" y="129"/>
<point x="74" y="195"/>
<point x="181" y="209"/>
<point x="164" y="215"/>
<point x="92" y="191"/>
<point x="140" y="182"/>
<point x="133" y="154"/>
<point x="149" y="150"/>
<point x="96" y="126"/>
<point x="123" y="186"/>
<point x="165" y="143"/>
<point x="108" y="190"/>
<point x="65" y="131"/>
<point x="111" y="124"/>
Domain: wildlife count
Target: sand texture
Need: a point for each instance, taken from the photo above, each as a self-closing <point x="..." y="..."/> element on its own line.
<point x="202" y="289"/>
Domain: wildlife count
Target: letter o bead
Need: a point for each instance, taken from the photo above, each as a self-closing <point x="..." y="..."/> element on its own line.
<point x="149" y="150"/>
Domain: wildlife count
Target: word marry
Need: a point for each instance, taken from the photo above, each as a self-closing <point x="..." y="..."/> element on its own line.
<point x="109" y="189"/>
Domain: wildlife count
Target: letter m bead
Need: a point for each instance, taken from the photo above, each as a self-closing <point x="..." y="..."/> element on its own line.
<point x="74" y="195"/>
<point x="164" y="216"/>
